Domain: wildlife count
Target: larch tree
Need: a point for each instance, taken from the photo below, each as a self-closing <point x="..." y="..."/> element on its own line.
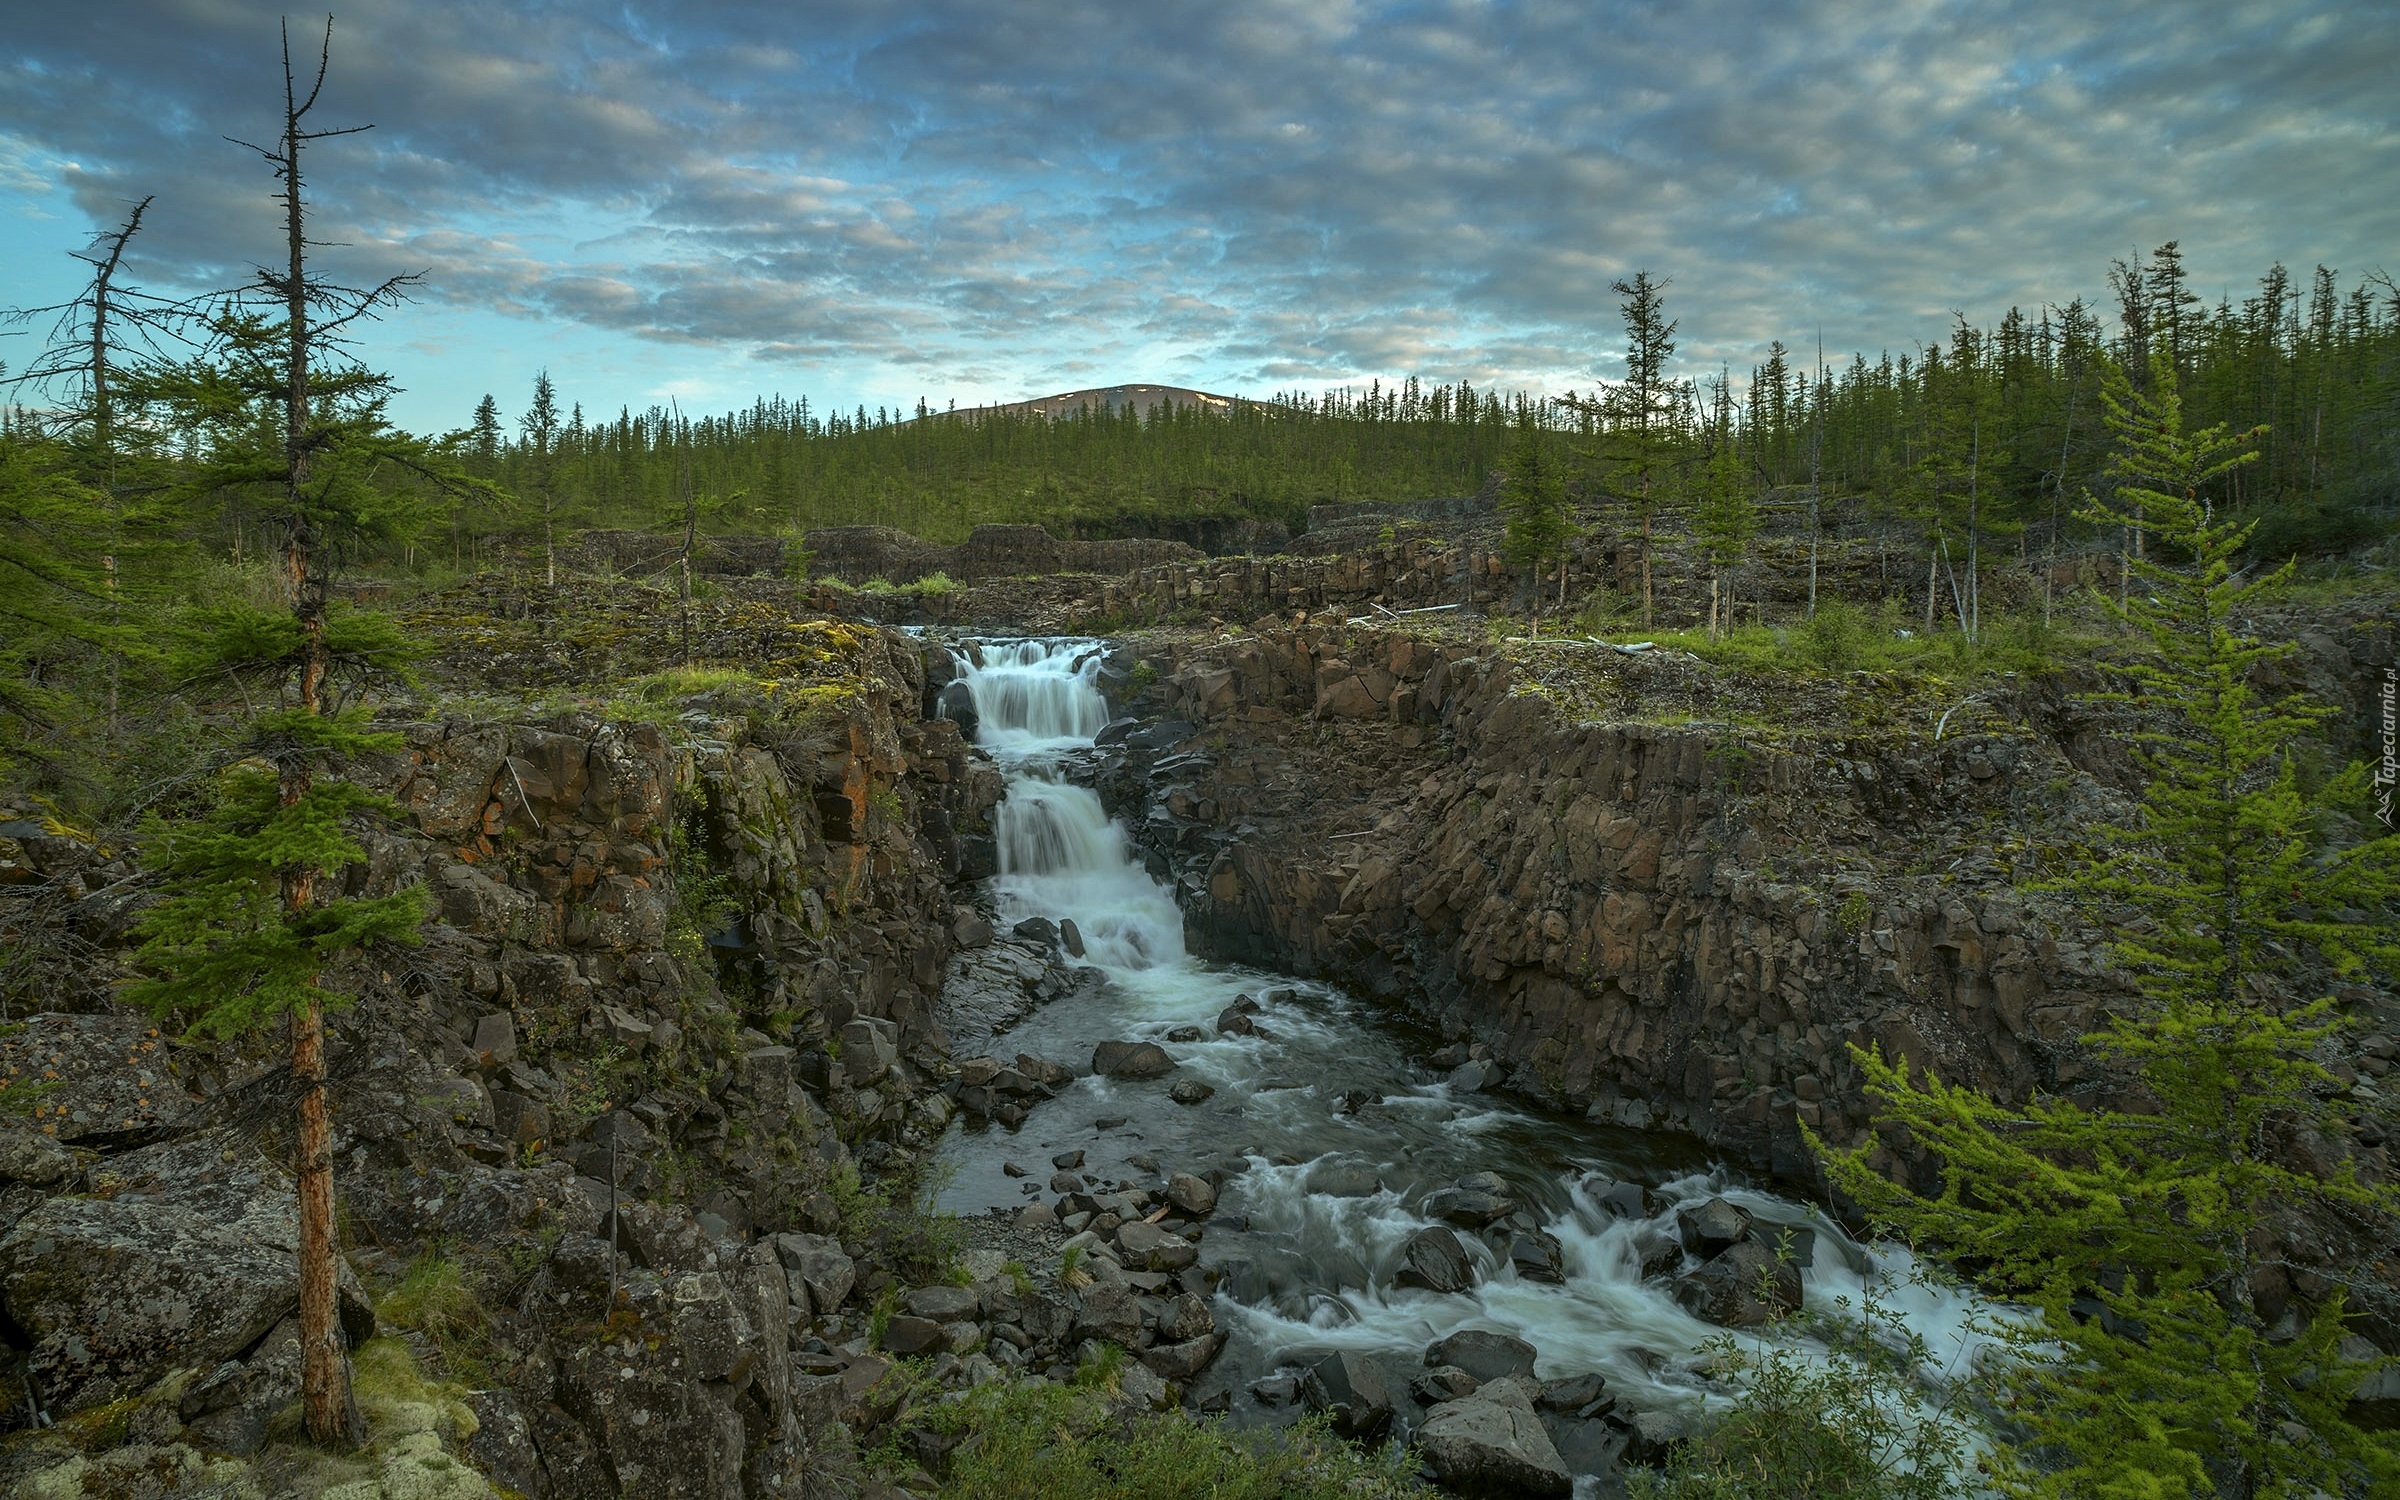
<point x="248" y="923"/>
<point x="2135" y="1234"/>
<point x="540" y="429"/>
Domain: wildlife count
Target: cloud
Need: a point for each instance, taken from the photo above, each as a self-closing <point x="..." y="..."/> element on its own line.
<point x="1254" y="193"/>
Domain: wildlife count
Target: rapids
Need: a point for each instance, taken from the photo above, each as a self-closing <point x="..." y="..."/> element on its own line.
<point x="1333" y="1128"/>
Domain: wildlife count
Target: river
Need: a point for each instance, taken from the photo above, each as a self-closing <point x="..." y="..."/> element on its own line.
<point x="1331" y="1122"/>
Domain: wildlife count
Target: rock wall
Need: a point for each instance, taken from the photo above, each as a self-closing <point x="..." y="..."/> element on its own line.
<point x="1680" y="924"/>
<point x="670" y="1025"/>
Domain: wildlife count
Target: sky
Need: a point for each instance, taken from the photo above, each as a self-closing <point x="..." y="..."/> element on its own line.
<point x="969" y="202"/>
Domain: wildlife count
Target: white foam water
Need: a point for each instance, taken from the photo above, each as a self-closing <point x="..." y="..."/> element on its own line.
<point x="1312" y="1270"/>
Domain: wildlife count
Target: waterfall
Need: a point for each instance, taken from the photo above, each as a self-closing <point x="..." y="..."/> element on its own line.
<point x="1060" y="853"/>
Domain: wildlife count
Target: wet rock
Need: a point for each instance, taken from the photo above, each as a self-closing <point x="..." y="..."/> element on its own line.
<point x="1191" y="1196"/>
<point x="1131" y="1060"/>
<point x="1332" y="1177"/>
<point x="1188" y="1034"/>
<point x="1537" y="1257"/>
<point x="1350" y="1388"/>
<point x="1588" y="1446"/>
<point x="1475" y="1077"/>
<point x="1190" y="1091"/>
<point x="1573" y="1393"/>
<point x="1156" y="1249"/>
<point x="1660" y="1256"/>
<point x="1651" y="1436"/>
<point x="1745" y="1287"/>
<point x="972" y="929"/>
<point x="1275" y="1390"/>
<point x="944" y="1304"/>
<point x="1070" y="937"/>
<point x="1492" y="1440"/>
<point x="1712" y="1228"/>
<point x="1467" y="1207"/>
<point x="1037" y="930"/>
<point x="1435" y="1261"/>
<point x="815" y="1262"/>
<point x="1483" y="1353"/>
<point x="1236" y="1019"/>
<point x="1442" y="1383"/>
<point x="1036" y="1215"/>
<point x="1619" y="1200"/>
<point x="1067" y="1161"/>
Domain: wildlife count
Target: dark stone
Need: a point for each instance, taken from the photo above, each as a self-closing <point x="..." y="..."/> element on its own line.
<point x="1442" y="1383"/>
<point x="1484" y="1353"/>
<point x="1712" y="1228"/>
<point x="1037" y="930"/>
<point x="1434" y="1261"/>
<point x="1350" y="1388"/>
<point x="1493" y="1442"/>
<point x="1619" y="1200"/>
<point x="1776" y="1239"/>
<point x="1131" y="1060"/>
<point x="1537" y="1257"/>
<point x="1190" y="1091"/>
<point x="1470" y="1208"/>
<point x="905" y="1334"/>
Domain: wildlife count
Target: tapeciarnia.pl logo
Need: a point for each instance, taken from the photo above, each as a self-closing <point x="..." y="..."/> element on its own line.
<point x="2387" y="770"/>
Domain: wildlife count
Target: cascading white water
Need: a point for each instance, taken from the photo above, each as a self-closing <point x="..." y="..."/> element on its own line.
<point x="1060" y="853"/>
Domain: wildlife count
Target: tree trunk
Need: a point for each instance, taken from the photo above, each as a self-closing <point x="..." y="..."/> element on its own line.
<point x="1645" y="554"/>
<point x="325" y="1406"/>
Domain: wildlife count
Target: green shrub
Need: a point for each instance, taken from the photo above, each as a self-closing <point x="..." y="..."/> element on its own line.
<point x="1056" y="1442"/>
<point x="1837" y="638"/>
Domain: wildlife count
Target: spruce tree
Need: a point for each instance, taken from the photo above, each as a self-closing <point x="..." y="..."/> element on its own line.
<point x="1533" y="501"/>
<point x="1724" y="513"/>
<point x="2134" y="1233"/>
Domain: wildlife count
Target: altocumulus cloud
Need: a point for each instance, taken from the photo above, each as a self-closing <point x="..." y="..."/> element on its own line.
<point x="993" y="199"/>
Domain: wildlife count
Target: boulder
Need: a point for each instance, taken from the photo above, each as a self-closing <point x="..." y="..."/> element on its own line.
<point x="713" y="1334"/>
<point x="1492" y="1440"/>
<point x="815" y="1262"/>
<point x="944" y="1304"/>
<point x="105" y="1077"/>
<point x="1155" y="1249"/>
<point x="1484" y="1353"/>
<point x="1182" y="1361"/>
<point x="1190" y="1091"/>
<point x="1108" y="1310"/>
<point x="1350" y="1388"/>
<point x="906" y="1335"/>
<point x="972" y="929"/>
<point x="1434" y="1261"/>
<point x="1070" y="937"/>
<point x="1619" y="1200"/>
<point x="1039" y="930"/>
<point x="30" y="1156"/>
<point x="870" y="1045"/>
<point x="1442" y="1383"/>
<point x="1711" y="1228"/>
<point x="229" y="1407"/>
<point x="1745" y="1287"/>
<point x="1798" y="1240"/>
<point x="188" y="1263"/>
<point x="1131" y="1060"/>
<point x="1191" y="1196"/>
<point x="1537" y="1257"/>
<point x="1187" y="1317"/>
<point x="1469" y="1208"/>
